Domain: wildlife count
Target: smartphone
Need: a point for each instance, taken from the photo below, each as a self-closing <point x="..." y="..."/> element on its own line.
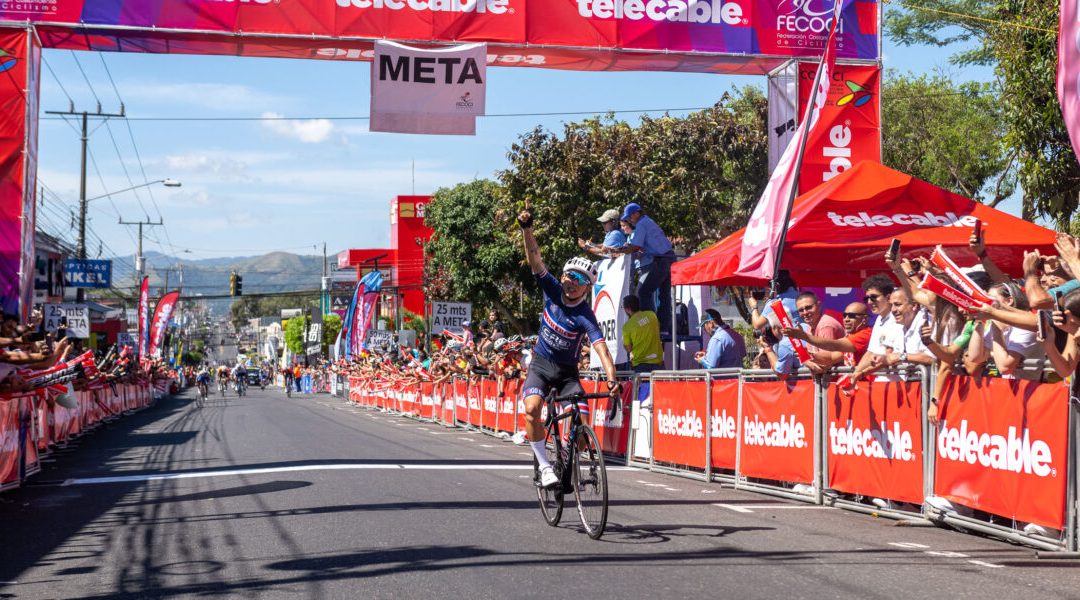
<point x="916" y="266"/>
<point x="978" y="230"/>
<point x="1046" y="321"/>
<point x="1059" y="300"/>
<point x="757" y="294"/>
<point x="894" y="249"/>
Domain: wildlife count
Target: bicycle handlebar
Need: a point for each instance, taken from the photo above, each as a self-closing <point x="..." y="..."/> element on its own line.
<point x="580" y="396"/>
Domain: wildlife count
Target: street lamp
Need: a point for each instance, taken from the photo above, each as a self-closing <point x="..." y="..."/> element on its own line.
<point x="167" y="182"/>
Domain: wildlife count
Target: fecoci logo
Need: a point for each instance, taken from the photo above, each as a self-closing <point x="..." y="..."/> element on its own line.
<point x="858" y="96"/>
<point x="7" y="60"/>
<point x="495" y="7"/>
<point x="803" y="18"/>
<point x="715" y="12"/>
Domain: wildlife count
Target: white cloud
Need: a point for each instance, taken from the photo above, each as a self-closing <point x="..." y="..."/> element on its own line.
<point x="224" y="97"/>
<point x="312" y="131"/>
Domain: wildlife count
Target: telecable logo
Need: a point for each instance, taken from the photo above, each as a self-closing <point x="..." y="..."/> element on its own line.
<point x="495" y="7"/>
<point x="1013" y="452"/>
<point x="714" y="12"/>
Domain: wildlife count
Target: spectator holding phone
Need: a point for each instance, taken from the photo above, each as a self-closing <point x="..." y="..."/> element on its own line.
<point x="847" y="350"/>
<point x="902" y="343"/>
<point x="759" y="315"/>
<point x="1008" y="344"/>
<point x="778" y="351"/>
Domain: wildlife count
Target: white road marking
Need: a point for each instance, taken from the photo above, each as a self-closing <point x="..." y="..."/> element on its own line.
<point x="749" y="508"/>
<point x="738" y="509"/>
<point x="466" y="439"/>
<point x="986" y="564"/>
<point x="708" y="491"/>
<point x="293" y="469"/>
<point x="946" y="554"/>
<point x="486" y="446"/>
<point x="908" y="545"/>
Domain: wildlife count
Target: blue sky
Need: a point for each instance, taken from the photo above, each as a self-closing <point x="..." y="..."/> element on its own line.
<point x="256" y="186"/>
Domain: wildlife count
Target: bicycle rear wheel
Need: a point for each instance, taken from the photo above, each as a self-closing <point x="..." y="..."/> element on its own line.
<point x="551" y="500"/>
<point x="590" y="483"/>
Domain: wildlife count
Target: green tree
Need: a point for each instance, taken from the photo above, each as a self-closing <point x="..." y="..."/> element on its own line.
<point x="331" y="328"/>
<point x="472" y="256"/>
<point x="927" y="124"/>
<point x="249" y="307"/>
<point x="1018" y="38"/>
<point x="294" y="334"/>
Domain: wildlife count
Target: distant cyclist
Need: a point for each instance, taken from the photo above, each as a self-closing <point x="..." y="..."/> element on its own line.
<point x="202" y="379"/>
<point x="239" y="374"/>
<point x="566" y="320"/>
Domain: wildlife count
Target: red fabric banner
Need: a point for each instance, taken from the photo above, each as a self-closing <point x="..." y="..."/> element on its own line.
<point x="851" y="118"/>
<point x="162" y="315"/>
<point x="507" y="403"/>
<point x="19" y="62"/>
<point x="723" y="423"/>
<point x="614" y="434"/>
<point x="777" y="439"/>
<point x="874" y="440"/>
<point x="679" y="422"/>
<point x="1002" y="447"/>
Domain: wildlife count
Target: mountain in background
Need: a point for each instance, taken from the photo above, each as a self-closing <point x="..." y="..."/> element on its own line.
<point x="273" y="272"/>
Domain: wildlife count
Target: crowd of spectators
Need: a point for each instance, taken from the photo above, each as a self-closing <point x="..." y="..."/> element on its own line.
<point x="34" y="360"/>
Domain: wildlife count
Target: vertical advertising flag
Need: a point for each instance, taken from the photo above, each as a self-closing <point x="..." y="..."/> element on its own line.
<point x="365" y="309"/>
<point x="435" y="91"/>
<point x="1068" y="74"/>
<point x="762" y="238"/>
<point x="162" y="315"/>
<point x="350" y="316"/>
<point x="144" y="318"/>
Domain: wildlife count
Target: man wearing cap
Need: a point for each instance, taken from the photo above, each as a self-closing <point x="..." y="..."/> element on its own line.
<point x="726" y="348"/>
<point x="655" y="256"/>
<point x="613" y="236"/>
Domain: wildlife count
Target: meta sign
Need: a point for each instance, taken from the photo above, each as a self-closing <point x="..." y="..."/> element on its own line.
<point x="84" y="273"/>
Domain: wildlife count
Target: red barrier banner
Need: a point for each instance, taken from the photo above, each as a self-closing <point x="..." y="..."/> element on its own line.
<point x="472" y="395"/>
<point x="1002" y="447"/>
<point x="874" y="441"/>
<point x="777" y="440"/>
<point x="427" y="400"/>
<point x="9" y="441"/>
<point x="852" y="118"/>
<point x="507" y="403"/>
<point x="446" y="396"/>
<point x="723" y="423"/>
<point x="489" y="402"/>
<point x="614" y="434"/>
<point x="42" y="422"/>
<point x="461" y="400"/>
<point x="679" y="422"/>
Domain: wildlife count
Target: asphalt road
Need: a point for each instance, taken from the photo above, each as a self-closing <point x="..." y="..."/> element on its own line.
<point x="311" y="498"/>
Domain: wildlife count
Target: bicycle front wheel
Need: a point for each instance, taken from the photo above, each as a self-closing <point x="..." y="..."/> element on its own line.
<point x="590" y="482"/>
<point x="551" y="500"/>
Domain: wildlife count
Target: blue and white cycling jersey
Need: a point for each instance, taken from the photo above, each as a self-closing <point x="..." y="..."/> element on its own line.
<point x="561" y="324"/>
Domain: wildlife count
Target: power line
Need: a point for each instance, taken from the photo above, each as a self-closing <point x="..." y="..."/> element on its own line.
<point x="971" y="17"/>
<point x="58" y="82"/>
<point x="85" y="78"/>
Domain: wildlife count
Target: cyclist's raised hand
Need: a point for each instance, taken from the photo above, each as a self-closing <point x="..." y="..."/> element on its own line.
<point x="525" y="218"/>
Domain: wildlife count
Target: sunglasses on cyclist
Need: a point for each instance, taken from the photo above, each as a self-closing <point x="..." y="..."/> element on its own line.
<point x="578" y="278"/>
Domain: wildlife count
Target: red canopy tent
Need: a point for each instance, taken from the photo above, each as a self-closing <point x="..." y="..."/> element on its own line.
<point x="840" y="230"/>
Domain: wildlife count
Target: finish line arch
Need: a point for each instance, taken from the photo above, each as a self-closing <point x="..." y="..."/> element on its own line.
<point x="748" y="37"/>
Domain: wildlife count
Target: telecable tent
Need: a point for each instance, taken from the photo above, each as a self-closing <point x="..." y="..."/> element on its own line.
<point x="840" y="230"/>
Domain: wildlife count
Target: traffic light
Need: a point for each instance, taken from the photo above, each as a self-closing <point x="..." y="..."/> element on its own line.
<point x="232" y="284"/>
<point x="239" y="285"/>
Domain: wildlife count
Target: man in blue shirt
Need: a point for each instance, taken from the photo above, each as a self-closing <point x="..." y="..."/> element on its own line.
<point x="655" y="256"/>
<point x="779" y="351"/>
<point x="613" y="236"/>
<point x="726" y="348"/>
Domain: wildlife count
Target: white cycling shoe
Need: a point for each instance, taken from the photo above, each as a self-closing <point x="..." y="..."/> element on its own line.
<point x="548" y="477"/>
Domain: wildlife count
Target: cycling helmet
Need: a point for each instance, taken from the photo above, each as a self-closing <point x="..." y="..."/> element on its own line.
<point x="582" y="265"/>
<point x="500" y="344"/>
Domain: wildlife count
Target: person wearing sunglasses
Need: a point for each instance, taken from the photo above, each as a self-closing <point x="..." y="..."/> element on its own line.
<point x="847" y="350"/>
<point x="566" y="320"/>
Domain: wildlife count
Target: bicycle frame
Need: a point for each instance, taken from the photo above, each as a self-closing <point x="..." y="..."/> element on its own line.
<point x="551" y="425"/>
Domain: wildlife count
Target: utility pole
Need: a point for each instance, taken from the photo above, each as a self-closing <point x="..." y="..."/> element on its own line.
<point x="140" y="267"/>
<point x="84" y="139"/>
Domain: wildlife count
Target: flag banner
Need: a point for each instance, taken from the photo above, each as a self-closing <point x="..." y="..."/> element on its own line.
<point x="350" y="316"/>
<point x="964" y="282"/>
<point x="367" y="298"/>
<point x="144" y="317"/>
<point x="851" y="122"/>
<point x="1068" y="71"/>
<point x="162" y="315"/>
<point x="947" y="292"/>
<point x="761" y="239"/>
<point x="434" y="91"/>
<point x="786" y="322"/>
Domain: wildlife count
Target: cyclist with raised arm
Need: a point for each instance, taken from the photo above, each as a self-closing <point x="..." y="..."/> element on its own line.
<point x="566" y="320"/>
<point x="202" y="379"/>
<point x="239" y="374"/>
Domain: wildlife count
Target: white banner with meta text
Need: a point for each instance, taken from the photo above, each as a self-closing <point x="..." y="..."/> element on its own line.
<point x="433" y="91"/>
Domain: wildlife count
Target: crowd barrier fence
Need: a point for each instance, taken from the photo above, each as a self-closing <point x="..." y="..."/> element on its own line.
<point x="30" y="428"/>
<point x="1002" y="460"/>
